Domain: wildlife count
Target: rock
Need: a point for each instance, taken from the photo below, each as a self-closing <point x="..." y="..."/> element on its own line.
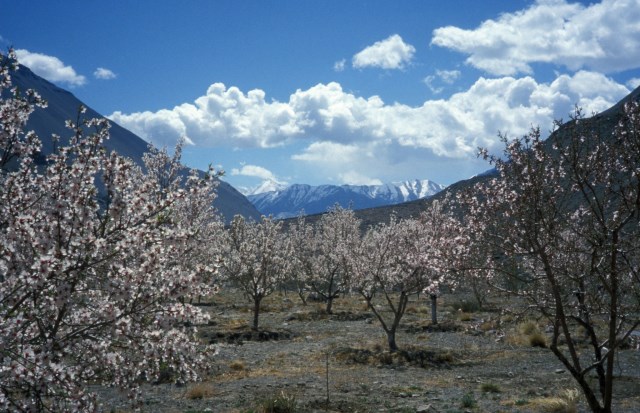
<point x="559" y="371"/>
<point x="291" y="317"/>
<point x="424" y="408"/>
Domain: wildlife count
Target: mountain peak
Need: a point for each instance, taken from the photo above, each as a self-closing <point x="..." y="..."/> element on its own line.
<point x="290" y="201"/>
<point x="268" y="185"/>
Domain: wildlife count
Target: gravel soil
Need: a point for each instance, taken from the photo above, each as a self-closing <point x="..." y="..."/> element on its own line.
<point x="468" y="362"/>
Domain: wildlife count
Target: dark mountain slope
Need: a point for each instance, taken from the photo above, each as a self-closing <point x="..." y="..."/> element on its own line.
<point x="602" y="123"/>
<point x="63" y="105"/>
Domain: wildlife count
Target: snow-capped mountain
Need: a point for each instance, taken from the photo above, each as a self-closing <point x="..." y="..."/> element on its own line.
<point x="298" y="198"/>
<point x="268" y="185"/>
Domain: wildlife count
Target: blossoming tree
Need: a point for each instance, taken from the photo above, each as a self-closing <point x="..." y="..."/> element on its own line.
<point x="300" y="234"/>
<point x="564" y="219"/>
<point x="325" y="257"/>
<point x="405" y="258"/>
<point x="90" y="275"/>
<point x="256" y="258"/>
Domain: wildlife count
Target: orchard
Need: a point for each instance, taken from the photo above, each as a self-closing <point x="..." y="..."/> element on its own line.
<point x="105" y="263"/>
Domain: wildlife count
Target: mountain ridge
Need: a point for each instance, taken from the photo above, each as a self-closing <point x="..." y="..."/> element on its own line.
<point x="63" y="105"/>
<point x="603" y="122"/>
<point x="302" y="198"/>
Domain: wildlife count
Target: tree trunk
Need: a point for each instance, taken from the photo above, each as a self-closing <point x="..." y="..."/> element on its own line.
<point x="256" y="312"/>
<point x="391" y="340"/>
<point x="329" y="304"/>
<point x="303" y="298"/>
<point x="434" y="308"/>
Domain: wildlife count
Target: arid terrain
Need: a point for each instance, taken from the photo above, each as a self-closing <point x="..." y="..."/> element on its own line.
<point x="471" y="361"/>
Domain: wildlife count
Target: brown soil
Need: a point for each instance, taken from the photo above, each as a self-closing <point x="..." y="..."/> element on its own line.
<point x="339" y="363"/>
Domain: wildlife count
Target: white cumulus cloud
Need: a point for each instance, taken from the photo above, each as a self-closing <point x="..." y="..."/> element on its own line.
<point x="221" y="117"/>
<point x="357" y="178"/>
<point x="339" y="65"/>
<point x="345" y="132"/>
<point x="50" y="68"/>
<point x="255" y="171"/>
<point x="390" y="53"/>
<point x="104" y="74"/>
<point x="448" y="76"/>
<point x="604" y="37"/>
<point x="634" y="82"/>
<point x="445" y="76"/>
<point x="346" y="163"/>
<point x="329" y="153"/>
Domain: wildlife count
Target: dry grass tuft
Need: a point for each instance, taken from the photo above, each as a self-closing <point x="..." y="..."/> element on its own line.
<point x="234" y="324"/>
<point x="566" y="402"/>
<point x="538" y="340"/>
<point x="200" y="391"/>
<point x="464" y="316"/>
<point x="237" y="365"/>
<point x="280" y="403"/>
<point x="527" y="333"/>
<point x="416" y="309"/>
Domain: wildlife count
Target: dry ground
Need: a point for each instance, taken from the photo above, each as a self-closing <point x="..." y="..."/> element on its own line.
<point x="472" y="361"/>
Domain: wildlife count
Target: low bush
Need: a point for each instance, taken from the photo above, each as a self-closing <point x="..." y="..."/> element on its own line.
<point x="279" y="403"/>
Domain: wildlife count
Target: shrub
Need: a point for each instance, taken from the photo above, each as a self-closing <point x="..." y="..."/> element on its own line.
<point x="468" y="401"/>
<point x="528" y="333"/>
<point x="280" y="403"/>
<point x="528" y="327"/>
<point x="237" y="365"/>
<point x="199" y="391"/>
<point x="538" y="340"/>
<point x="490" y="388"/>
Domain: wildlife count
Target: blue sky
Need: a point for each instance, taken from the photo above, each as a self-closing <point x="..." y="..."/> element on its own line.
<point x="333" y="92"/>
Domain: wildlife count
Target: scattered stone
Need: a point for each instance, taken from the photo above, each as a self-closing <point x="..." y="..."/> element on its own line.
<point x="559" y="371"/>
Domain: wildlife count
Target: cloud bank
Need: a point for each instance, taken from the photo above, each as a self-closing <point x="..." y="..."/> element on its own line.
<point x="326" y="113"/>
<point x="604" y="37"/>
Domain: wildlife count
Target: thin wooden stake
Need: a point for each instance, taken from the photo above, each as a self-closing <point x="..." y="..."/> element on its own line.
<point x="327" y="376"/>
